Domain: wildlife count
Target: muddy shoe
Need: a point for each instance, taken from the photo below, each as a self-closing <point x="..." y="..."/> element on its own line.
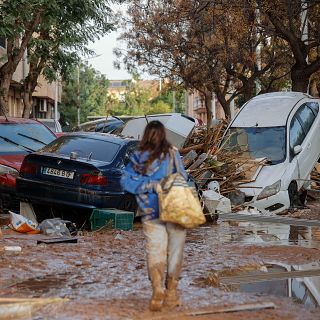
<point x="156" y="277"/>
<point x="156" y="301"/>
<point x="171" y="298"/>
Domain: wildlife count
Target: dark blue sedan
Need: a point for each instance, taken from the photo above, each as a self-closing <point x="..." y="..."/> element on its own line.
<point x="78" y="171"/>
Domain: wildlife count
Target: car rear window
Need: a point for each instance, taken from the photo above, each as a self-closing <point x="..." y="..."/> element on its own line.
<point x="23" y="137"/>
<point x="84" y="147"/>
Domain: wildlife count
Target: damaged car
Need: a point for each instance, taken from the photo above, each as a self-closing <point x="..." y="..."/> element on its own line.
<point x="18" y="137"/>
<point x="282" y="128"/>
<point x="77" y="173"/>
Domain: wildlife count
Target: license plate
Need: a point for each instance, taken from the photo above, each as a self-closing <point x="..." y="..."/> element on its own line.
<point x="58" y="173"/>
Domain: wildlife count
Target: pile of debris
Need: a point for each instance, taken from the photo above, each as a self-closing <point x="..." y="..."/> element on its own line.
<point x="215" y="167"/>
<point x="315" y="177"/>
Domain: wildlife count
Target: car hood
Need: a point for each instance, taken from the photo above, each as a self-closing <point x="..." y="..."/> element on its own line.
<point x="266" y="177"/>
<point x="13" y="161"/>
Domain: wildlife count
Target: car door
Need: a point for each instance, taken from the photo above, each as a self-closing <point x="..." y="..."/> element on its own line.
<point x="304" y="132"/>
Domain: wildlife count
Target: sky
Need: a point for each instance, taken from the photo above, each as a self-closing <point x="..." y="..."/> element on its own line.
<point x="104" y="58"/>
<point x="104" y="47"/>
<point x="103" y="61"/>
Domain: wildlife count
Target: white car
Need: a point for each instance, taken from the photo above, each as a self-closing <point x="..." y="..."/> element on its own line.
<point x="178" y="127"/>
<point x="283" y="127"/>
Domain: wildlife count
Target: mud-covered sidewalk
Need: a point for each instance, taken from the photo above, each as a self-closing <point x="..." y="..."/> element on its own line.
<point x="104" y="275"/>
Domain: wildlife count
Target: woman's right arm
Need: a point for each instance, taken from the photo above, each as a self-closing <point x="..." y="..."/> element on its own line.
<point x="135" y="183"/>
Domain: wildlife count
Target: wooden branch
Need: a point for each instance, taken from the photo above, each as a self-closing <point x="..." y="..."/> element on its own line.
<point x="187" y="149"/>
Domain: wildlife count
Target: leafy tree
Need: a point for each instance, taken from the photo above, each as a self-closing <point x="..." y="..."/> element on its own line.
<point x="62" y="36"/>
<point x="159" y="106"/>
<point x="297" y="23"/>
<point x="170" y="96"/>
<point x="19" y="19"/>
<point x="204" y="45"/>
<point x="54" y="33"/>
<point x="93" y="94"/>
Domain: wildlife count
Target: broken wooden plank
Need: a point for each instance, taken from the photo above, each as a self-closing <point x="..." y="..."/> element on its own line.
<point x="15" y="311"/>
<point x="199" y="161"/>
<point x="13" y="308"/>
<point x="189" y="158"/>
<point x="269" y="276"/>
<point x="195" y="148"/>
<point x="237" y="308"/>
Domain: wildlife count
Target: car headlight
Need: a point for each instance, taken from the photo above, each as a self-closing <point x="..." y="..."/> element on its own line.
<point x="270" y="190"/>
<point x="8" y="170"/>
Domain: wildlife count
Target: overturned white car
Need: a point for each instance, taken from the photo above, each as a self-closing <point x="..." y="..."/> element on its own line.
<point x="284" y="128"/>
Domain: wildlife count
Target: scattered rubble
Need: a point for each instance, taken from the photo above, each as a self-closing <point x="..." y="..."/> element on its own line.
<point x="207" y="163"/>
<point x="315" y="177"/>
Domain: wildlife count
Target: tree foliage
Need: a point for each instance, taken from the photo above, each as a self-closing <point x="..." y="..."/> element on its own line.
<point x="93" y="91"/>
<point x="205" y="45"/>
<point x="233" y="48"/>
<point x="139" y="100"/>
<point x="297" y="23"/>
<point x="54" y="33"/>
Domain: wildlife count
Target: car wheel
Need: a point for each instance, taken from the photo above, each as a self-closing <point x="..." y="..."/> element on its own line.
<point x="129" y="203"/>
<point x="294" y="195"/>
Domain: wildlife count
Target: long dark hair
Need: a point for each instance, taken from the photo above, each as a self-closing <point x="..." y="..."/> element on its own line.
<point x="154" y="141"/>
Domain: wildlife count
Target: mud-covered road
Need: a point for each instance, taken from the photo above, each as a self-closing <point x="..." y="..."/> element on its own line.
<point x="104" y="275"/>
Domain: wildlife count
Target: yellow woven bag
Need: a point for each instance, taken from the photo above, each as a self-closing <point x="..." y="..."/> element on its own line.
<point x="178" y="202"/>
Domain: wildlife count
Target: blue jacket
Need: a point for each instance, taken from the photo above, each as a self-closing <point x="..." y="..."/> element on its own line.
<point x="143" y="185"/>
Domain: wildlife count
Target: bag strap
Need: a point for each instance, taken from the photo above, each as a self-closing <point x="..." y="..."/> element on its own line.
<point x="173" y="158"/>
<point x="170" y="166"/>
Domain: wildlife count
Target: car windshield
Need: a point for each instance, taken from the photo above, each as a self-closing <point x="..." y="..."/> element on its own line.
<point x="49" y="124"/>
<point x="18" y="138"/>
<point x="84" y="147"/>
<point x="257" y="142"/>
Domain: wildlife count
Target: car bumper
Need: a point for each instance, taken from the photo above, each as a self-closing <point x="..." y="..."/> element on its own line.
<point x="43" y="193"/>
<point x="9" y="200"/>
<point x="274" y="204"/>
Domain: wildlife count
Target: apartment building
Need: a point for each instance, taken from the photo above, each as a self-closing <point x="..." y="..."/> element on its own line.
<point x="43" y="98"/>
<point x="196" y="107"/>
<point x="118" y="88"/>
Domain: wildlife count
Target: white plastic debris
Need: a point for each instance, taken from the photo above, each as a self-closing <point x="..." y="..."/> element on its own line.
<point x="214" y="185"/>
<point x="26" y="210"/>
<point x="13" y="248"/>
<point x="118" y="237"/>
<point x="215" y="202"/>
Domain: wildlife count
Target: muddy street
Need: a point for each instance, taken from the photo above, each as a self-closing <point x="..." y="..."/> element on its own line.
<point x="104" y="275"/>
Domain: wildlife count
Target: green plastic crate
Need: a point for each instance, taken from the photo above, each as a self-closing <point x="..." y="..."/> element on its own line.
<point x="116" y="219"/>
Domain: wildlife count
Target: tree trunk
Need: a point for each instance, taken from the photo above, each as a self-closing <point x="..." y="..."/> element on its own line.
<point x="248" y="90"/>
<point x="300" y="80"/>
<point x="224" y="103"/>
<point x="30" y="84"/>
<point x="5" y="80"/>
<point x="27" y="101"/>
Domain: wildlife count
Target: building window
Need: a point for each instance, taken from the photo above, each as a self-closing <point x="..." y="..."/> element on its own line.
<point x="3" y="42"/>
<point x="197" y="103"/>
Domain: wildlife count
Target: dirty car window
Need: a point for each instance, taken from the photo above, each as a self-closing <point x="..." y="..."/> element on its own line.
<point x="257" y="143"/>
<point x="84" y="147"/>
<point x="31" y="135"/>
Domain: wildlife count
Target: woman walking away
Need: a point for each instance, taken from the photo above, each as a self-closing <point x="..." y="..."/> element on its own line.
<point x="164" y="241"/>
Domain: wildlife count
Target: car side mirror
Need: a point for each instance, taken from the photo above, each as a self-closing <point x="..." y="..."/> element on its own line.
<point x="297" y="149"/>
